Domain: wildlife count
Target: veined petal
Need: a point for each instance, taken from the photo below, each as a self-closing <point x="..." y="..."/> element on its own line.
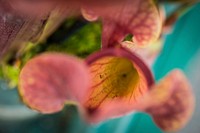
<point x="170" y="102"/>
<point x="49" y="80"/>
<point x="15" y="28"/>
<point x="119" y="79"/>
<point x="147" y="54"/>
<point x="137" y="17"/>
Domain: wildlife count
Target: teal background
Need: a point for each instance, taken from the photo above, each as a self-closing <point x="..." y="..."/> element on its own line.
<point x="181" y="50"/>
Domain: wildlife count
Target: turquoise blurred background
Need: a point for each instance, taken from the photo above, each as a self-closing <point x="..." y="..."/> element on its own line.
<point x="181" y="50"/>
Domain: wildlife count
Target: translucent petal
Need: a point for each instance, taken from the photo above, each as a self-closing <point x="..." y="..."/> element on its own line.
<point x="170" y="102"/>
<point x="89" y="14"/>
<point x="137" y="17"/>
<point x="49" y="80"/>
<point x="15" y="29"/>
<point x="119" y="79"/>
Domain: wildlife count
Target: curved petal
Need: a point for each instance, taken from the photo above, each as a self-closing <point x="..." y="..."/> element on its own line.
<point x="119" y="79"/>
<point x="137" y="17"/>
<point x="170" y="102"/>
<point x="89" y="14"/>
<point x="147" y="54"/>
<point x="16" y="28"/>
<point x="49" y="80"/>
<point x="32" y="8"/>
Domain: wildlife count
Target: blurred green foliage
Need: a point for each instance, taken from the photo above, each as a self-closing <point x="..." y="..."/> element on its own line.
<point x="85" y="40"/>
<point x="9" y="73"/>
<point x="81" y="42"/>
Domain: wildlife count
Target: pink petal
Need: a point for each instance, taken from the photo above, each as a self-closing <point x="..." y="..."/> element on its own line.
<point x="119" y="79"/>
<point x="89" y="14"/>
<point x="49" y="80"/>
<point x="148" y="54"/>
<point x="39" y="8"/>
<point x="170" y="102"/>
<point x="137" y="17"/>
<point x="16" y="28"/>
<point x="32" y="8"/>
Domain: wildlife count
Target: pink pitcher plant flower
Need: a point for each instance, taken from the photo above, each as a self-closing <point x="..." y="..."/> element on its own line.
<point x="113" y="81"/>
<point x="110" y="83"/>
